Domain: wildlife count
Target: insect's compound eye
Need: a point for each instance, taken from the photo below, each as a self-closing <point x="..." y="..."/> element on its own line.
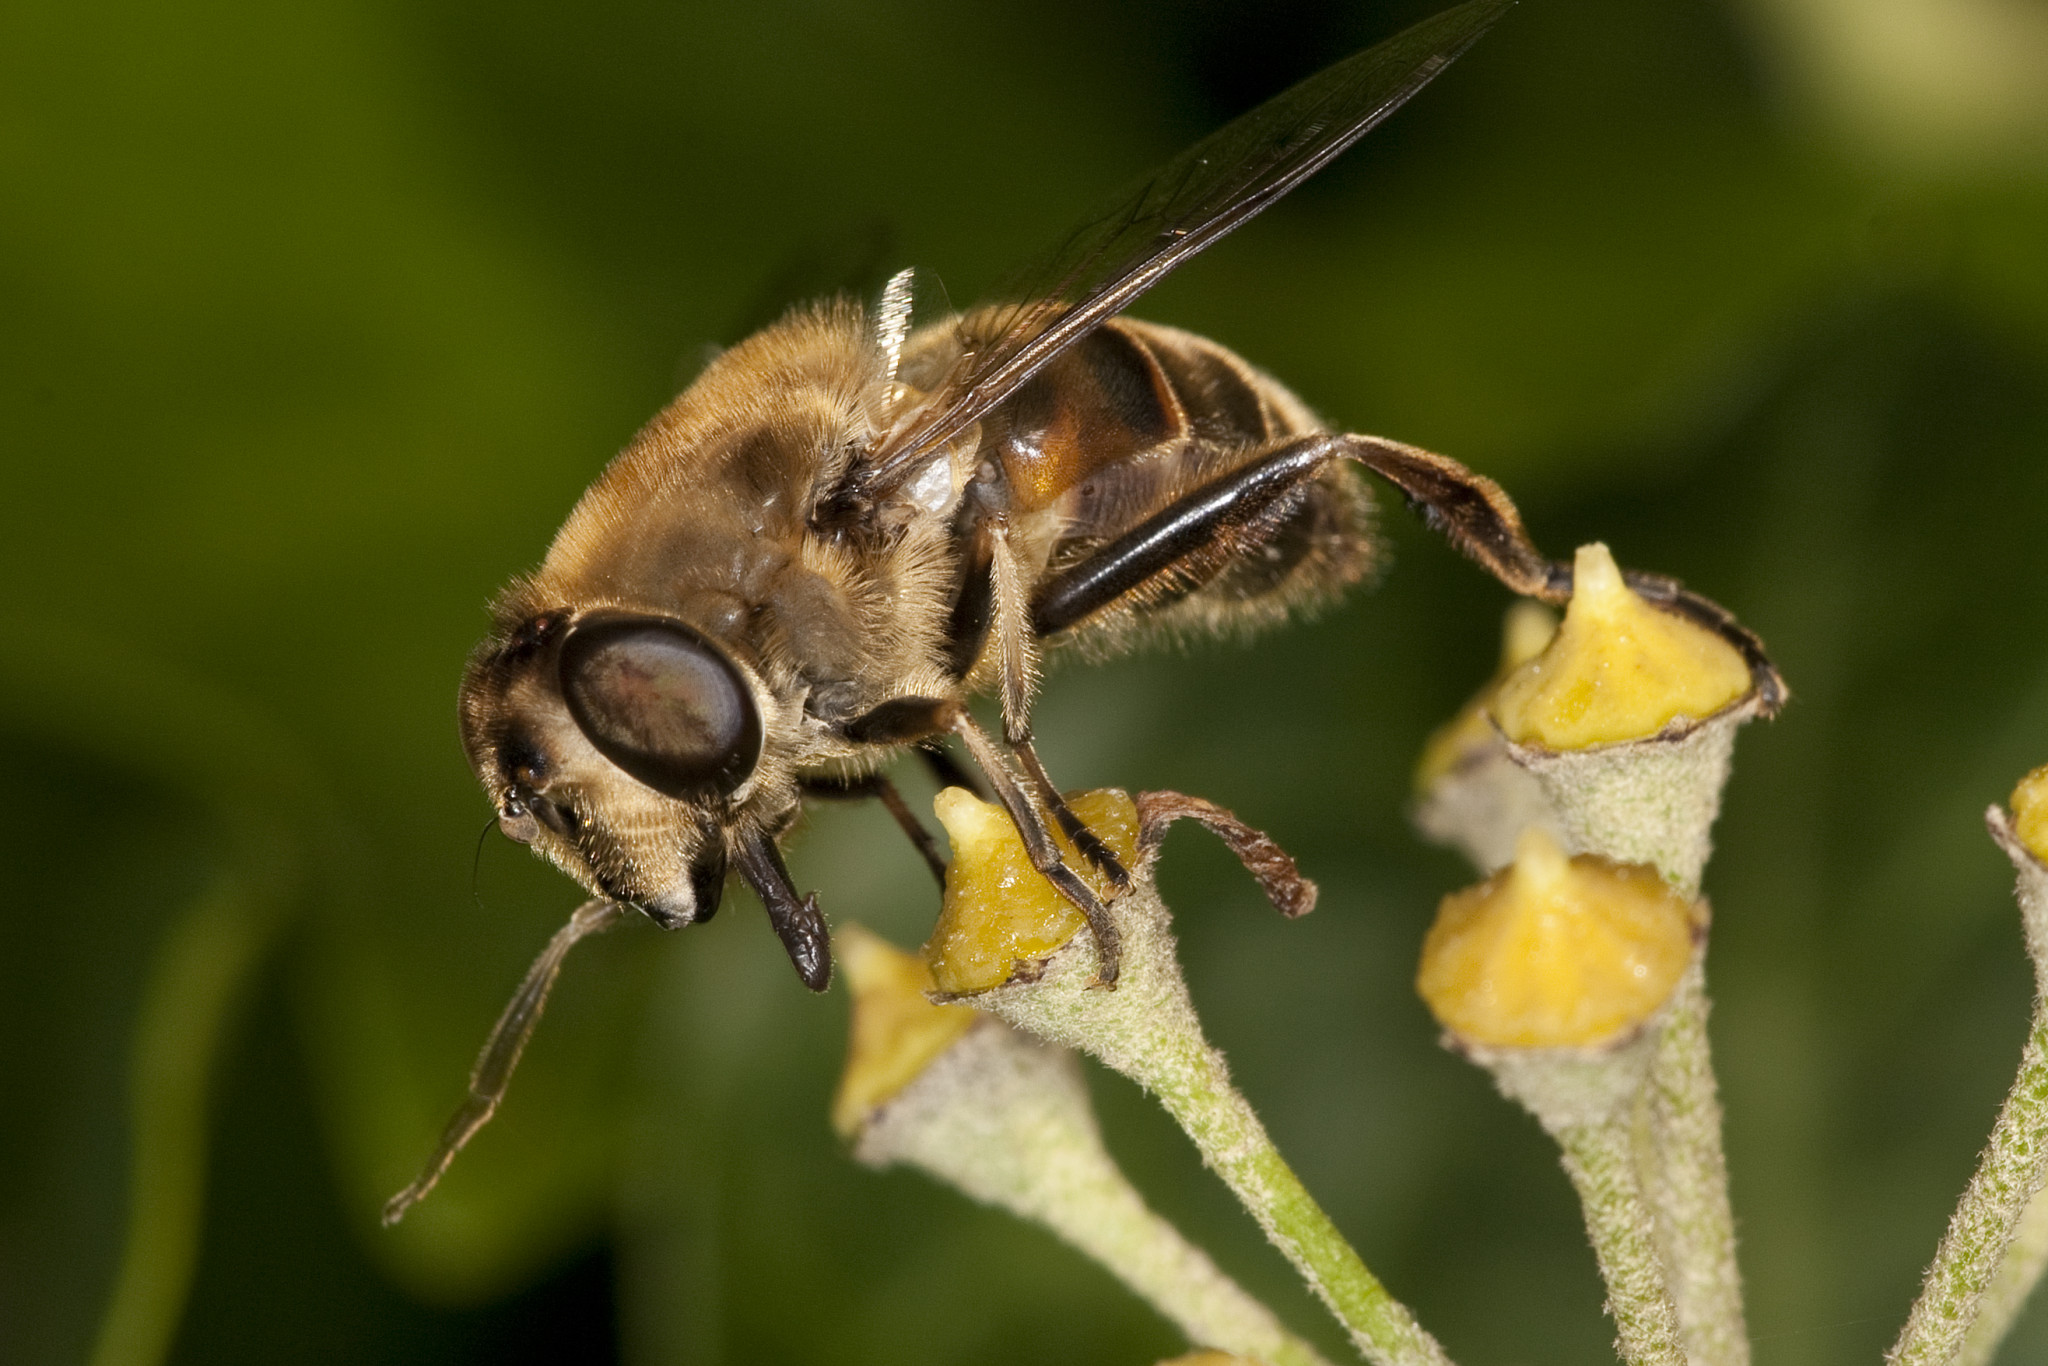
<point x="663" y="704"/>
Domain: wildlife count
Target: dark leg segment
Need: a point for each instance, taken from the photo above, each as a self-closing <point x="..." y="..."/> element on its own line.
<point x="1201" y="525"/>
<point x="1476" y="516"/>
<point x="967" y="625"/>
<point x="876" y="786"/>
<point x="1076" y="830"/>
<point x="1038" y="844"/>
<point x="946" y="769"/>
<point x="905" y="719"/>
<point x="1469" y="510"/>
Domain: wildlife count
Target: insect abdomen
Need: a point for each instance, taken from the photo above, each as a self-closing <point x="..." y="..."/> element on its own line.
<point x="1203" y="413"/>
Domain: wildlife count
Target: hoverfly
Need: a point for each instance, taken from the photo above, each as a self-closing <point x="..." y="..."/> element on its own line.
<point x="845" y="528"/>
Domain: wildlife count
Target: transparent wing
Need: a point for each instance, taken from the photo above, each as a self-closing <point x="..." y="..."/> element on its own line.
<point x="1116" y="255"/>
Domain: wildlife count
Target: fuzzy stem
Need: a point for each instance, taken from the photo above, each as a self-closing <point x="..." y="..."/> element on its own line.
<point x="1975" y="1288"/>
<point x="2008" y="1292"/>
<point x="1104" y="1217"/>
<point x="1588" y="1100"/>
<point x="1600" y="1159"/>
<point x="1685" y="1177"/>
<point x="1147" y="1029"/>
<point x="1234" y="1143"/>
<point x="2008" y="1176"/>
<point x="1654" y="801"/>
<point x="1006" y="1121"/>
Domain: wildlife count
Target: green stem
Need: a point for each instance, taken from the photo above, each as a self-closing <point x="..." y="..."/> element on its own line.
<point x="1685" y="1176"/>
<point x="99" y="696"/>
<point x="1104" y="1217"/>
<point x="1216" y="1115"/>
<point x="1147" y="1029"/>
<point x="1588" y="1100"/>
<point x="2010" y="1288"/>
<point x="1600" y="1159"/>
<point x="2008" y="1176"/>
<point x="1007" y="1121"/>
<point x="1654" y="801"/>
<point x="1651" y="800"/>
<point x="1997" y="1240"/>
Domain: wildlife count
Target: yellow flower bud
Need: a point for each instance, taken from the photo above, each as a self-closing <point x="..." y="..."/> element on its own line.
<point x="2030" y="812"/>
<point x="896" y="1031"/>
<point x="998" y="911"/>
<point x="1619" y="669"/>
<point x="1552" y="952"/>
<point x="1526" y="630"/>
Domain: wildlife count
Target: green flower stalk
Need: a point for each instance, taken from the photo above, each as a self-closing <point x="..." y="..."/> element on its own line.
<point x="1006" y="1121"/>
<point x="1552" y="975"/>
<point x="2024" y="837"/>
<point x="1006" y="945"/>
<point x="1996" y="1245"/>
<point x="2010" y="1289"/>
<point x="1627" y="720"/>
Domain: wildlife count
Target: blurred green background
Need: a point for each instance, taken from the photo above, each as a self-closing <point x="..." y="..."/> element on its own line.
<point x="314" y="319"/>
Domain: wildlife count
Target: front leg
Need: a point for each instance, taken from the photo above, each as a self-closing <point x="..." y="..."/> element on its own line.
<point x="879" y="787"/>
<point x="994" y="609"/>
<point x="1071" y="825"/>
<point x="908" y="719"/>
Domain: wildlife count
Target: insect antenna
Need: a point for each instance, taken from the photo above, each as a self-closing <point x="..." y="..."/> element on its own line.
<point x="476" y="863"/>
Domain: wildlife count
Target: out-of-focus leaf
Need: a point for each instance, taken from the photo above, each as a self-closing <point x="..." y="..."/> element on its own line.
<point x="110" y="721"/>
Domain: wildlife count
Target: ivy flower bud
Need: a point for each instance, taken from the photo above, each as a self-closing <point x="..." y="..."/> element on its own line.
<point x="1618" y="669"/>
<point x="2030" y="813"/>
<point x="1469" y="793"/>
<point x="1556" y="952"/>
<point x="1997" y="1244"/>
<point x="1628" y="720"/>
<point x="1008" y="943"/>
<point x="1555" y="975"/>
<point x="2022" y="832"/>
<point x="1001" y="919"/>
<point x="896" y="1030"/>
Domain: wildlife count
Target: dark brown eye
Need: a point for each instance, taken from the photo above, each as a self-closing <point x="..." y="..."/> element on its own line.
<point x="663" y="704"/>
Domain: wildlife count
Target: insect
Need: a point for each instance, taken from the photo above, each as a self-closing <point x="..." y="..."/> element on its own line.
<point x="847" y="527"/>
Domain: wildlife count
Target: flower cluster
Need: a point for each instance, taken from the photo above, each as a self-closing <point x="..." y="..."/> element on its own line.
<point x="1583" y="781"/>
